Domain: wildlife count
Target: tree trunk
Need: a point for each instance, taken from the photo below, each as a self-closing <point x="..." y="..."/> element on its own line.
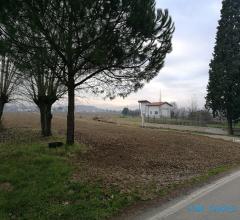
<point x="1" y="110"/>
<point x="46" y="119"/>
<point x="230" y="125"/>
<point x="70" y="115"/>
<point x="48" y="127"/>
<point x="42" y="120"/>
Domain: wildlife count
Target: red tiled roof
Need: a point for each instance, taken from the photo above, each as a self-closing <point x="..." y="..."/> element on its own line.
<point x="142" y="101"/>
<point x="158" y="104"/>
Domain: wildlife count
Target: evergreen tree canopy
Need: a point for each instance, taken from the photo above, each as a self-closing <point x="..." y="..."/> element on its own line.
<point x="125" y="111"/>
<point x="114" y="45"/>
<point x="224" y="76"/>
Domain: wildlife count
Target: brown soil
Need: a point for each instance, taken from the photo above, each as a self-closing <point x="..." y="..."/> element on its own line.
<point x="149" y="159"/>
<point x="142" y="160"/>
<point x="6" y="186"/>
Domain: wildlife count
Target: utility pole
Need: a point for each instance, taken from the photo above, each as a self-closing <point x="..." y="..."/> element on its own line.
<point x="142" y="115"/>
<point x="160" y="97"/>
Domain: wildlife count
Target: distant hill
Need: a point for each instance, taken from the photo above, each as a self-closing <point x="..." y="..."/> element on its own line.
<point x="63" y="108"/>
<point x="79" y="108"/>
<point x="20" y="108"/>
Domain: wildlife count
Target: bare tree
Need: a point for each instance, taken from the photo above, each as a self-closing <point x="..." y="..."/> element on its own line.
<point x="42" y="86"/>
<point x="193" y="105"/>
<point x="9" y="81"/>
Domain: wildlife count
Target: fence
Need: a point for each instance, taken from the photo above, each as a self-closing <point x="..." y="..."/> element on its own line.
<point x="186" y="122"/>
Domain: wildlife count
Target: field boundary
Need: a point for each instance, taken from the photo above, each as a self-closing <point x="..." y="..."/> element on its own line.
<point x="176" y="193"/>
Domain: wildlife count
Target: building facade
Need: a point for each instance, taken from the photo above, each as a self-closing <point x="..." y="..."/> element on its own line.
<point x="155" y="109"/>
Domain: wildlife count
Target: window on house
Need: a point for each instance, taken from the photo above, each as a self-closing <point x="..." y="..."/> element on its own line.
<point x="150" y="112"/>
<point x="156" y="112"/>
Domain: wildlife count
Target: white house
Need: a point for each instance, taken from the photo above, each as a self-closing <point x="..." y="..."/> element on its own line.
<point x="155" y="109"/>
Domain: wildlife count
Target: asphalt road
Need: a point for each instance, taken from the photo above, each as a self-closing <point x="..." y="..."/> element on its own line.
<point x="217" y="201"/>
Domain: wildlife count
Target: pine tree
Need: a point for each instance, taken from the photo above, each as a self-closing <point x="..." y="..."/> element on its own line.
<point x="105" y="47"/>
<point x="224" y="76"/>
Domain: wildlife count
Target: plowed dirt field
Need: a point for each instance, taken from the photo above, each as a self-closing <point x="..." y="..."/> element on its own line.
<point x="137" y="159"/>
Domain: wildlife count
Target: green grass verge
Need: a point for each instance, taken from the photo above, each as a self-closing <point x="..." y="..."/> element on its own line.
<point x="188" y="184"/>
<point x="35" y="183"/>
<point x="211" y="173"/>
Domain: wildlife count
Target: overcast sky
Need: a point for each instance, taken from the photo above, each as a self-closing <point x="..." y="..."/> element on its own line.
<point x="185" y="74"/>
